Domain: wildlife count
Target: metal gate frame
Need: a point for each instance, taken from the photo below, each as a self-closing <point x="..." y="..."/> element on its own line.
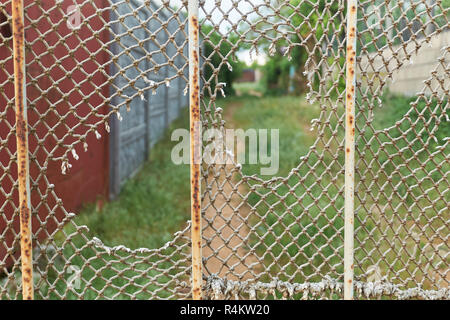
<point x="195" y="184"/>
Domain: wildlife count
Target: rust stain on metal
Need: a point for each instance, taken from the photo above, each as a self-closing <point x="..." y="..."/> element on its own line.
<point x="350" y="85"/>
<point x="22" y="149"/>
<point x="195" y="132"/>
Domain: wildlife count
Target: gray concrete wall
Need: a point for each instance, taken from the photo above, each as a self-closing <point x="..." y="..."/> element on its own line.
<point x="144" y="120"/>
<point x="409" y="74"/>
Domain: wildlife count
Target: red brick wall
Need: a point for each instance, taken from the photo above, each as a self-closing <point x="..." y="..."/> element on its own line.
<point x="48" y="63"/>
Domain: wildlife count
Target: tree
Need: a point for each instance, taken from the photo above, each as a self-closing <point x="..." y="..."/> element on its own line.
<point x="218" y="54"/>
<point x="298" y="27"/>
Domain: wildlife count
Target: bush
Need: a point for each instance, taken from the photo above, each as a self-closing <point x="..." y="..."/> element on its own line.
<point x="398" y="106"/>
<point x="276" y="70"/>
<point x="215" y="59"/>
<point x="275" y="78"/>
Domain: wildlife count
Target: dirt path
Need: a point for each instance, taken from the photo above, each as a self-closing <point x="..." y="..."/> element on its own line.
<point x="227" y="254"/>
<point x="249" y="92"/>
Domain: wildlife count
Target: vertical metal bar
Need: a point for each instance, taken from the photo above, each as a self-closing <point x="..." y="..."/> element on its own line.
<point x="22" y="149"/>
<point x="195" y="127"/>
<point x="350" y="84"/>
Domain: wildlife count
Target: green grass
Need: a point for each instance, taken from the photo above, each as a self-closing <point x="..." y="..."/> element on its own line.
<point x="152" y="205"/>
<point x="292" y="116"/>
<point x="155" y="203"/>
<point x="313" y="221"/>
<point x="405" y="192"/>
<point x="248" y="88"/>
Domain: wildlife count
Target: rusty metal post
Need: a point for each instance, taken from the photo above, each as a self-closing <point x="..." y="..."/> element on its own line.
<point x="195" y="143"/>
<point x="22" y="149"/>
<point x="350" y="84"/>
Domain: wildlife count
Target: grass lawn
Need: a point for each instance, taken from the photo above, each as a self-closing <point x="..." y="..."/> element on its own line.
<point x="155" y="203"/>
<point x="395" y="219"/>
<point x="248" y="88"/>
<point x="279" y="209"/>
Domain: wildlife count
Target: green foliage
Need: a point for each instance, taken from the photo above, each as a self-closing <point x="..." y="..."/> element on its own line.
<point x="276" y="71"/>
<point x="276" y="75"/>
<point x="216" y="59"/>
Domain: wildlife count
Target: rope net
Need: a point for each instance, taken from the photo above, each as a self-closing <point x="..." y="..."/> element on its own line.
<point x="263" y="237"/>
